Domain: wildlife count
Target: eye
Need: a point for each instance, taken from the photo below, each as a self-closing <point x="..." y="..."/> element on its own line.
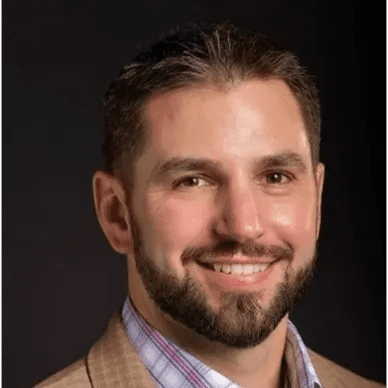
<point x="190" y="181"/>
<point x="277" y="178"/>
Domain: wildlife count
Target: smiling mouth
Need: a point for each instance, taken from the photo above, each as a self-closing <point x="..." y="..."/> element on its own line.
<point x="237" y="269"/>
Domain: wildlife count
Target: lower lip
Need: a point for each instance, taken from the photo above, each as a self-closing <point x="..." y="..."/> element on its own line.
<point x="229" y="281"/>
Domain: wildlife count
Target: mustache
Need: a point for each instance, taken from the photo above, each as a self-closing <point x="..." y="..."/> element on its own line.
<point x="230" y="248"/>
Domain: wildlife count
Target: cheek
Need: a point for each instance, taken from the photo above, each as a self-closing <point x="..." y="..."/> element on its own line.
<point x="295" y="221"/>
<point x="174" y="224"/>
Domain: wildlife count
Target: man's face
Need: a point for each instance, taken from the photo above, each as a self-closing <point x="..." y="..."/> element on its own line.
<point x="225" y="209"/>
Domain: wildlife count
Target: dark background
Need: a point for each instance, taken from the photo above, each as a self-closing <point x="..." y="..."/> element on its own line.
<point x="60" y="278"/>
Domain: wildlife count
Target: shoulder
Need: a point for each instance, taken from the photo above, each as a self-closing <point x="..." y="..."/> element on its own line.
<point x="333" y="375"/>
<point x="111" y="362"/>
<point x="75" y="375"/>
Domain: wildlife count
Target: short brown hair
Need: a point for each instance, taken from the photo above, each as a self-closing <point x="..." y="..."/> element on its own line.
<point x="219" y="54"/>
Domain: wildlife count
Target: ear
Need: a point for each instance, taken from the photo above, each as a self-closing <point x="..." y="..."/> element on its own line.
<point x="319" y="178"/>
<point x="112" y="212"/>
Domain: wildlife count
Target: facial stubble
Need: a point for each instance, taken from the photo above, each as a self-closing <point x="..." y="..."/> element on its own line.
<point x="242" y="321"/>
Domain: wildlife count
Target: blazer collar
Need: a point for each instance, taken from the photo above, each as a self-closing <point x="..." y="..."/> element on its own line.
<point x="112" y="362"/>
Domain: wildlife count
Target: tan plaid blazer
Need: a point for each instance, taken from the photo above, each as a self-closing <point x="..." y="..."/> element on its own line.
<point x="113" y="363"/>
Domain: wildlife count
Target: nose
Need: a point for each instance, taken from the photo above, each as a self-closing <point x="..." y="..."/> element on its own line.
<point x="239" y="218"/>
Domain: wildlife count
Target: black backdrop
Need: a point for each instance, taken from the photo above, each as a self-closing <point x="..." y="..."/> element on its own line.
<point x="60" y="278"/>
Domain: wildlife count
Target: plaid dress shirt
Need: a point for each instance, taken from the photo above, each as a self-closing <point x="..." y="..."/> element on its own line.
<point x="172" y="367"/>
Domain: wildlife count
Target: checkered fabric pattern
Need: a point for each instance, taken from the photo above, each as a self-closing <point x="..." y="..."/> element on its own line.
<point x="304" y="368"/>
<point x="172" y="367"/>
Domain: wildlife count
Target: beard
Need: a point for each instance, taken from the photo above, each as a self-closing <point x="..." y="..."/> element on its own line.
<point x="241" y="321"/>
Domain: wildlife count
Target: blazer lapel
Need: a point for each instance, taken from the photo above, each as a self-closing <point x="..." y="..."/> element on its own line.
<point x="112" y="361"/>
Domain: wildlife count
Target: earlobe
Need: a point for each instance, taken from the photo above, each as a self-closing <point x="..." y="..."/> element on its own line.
<point x="111" y="211"/>
<point x="319" y="179"/>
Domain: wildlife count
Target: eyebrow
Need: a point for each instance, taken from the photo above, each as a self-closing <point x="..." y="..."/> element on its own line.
<point x="180" y="165"/>
<point x="284" y="159"/>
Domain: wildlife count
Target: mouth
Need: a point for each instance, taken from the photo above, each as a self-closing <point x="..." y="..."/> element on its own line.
<point x="236" y="269"/>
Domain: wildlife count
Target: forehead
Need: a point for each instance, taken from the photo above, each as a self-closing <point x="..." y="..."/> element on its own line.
<point x="251" y="119"/>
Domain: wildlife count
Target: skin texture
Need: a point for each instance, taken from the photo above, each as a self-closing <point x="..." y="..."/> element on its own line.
<point x="226" y="177"/>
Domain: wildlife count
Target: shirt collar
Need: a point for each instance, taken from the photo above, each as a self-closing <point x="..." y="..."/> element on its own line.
<point x="172" y="367"/>
<point x="300" y="369"/>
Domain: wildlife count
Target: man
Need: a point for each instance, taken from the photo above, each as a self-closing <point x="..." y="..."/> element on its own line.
<point x="213" y="192"/>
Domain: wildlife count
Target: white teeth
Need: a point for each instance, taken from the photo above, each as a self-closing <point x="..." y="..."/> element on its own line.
<point x="236" y="269"/>
<point x="247" y="269"/>
<point x="260" y="267"/>
<point x="240" y="269"/>
<point x="217" y="267"/>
